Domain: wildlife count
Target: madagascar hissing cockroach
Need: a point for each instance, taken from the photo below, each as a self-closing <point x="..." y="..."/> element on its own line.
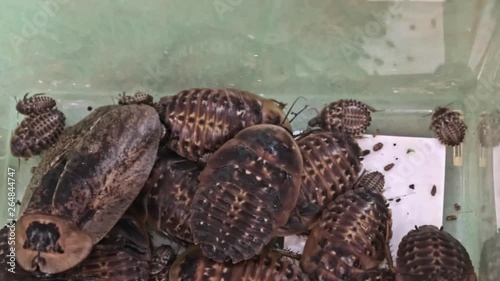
<point x="36" y="104"/>
<point x="448" y="126"/>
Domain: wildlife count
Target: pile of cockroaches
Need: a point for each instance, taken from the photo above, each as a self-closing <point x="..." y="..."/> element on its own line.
<point x="228" y="178"/>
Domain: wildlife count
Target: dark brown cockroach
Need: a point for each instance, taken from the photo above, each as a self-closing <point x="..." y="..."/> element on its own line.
<point x="247" y="191"/>
<point x="84" y="184"/>
<point x="37" y="133"/>
<point x="163" y="258"/>
<point x="123" y="254"/>
<point x="448" y="126"/>
<point x="199" y="121"/>
<point x="331" y="166"/>
<point x="374" y="180"/>
<point x="36" y="104"/>
<point x="433" y="190"/>
<point x="489" y="129"/>
<point x="268" y="266"/>
<point x="353" y="233"/>
<point x="345" y="115"/>
<point x="137" y="98"/>
<point x="165" y="200"/>
<point x="378" y="146"/>
<point x="428" y="253"/>
<point x="489" y="269"/>
<point x="388" y="167"/>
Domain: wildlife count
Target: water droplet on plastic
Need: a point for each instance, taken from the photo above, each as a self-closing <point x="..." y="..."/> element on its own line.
<point x="40" y="81"/>
<point x="165" y="52"/>
<point x="259" y="80"/>
<point x="251" y="36"/>
<point x="87" y="85"/>
<point x="255" y="55"/>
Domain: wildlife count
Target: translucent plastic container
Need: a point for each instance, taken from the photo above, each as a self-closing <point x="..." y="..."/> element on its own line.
<point x="404" y="58"/>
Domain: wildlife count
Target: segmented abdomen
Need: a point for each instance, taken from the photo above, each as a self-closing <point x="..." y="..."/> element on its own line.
<point x="247" y="191"/>
<point x="168" y="194"/>
<point x="351" y="233"/>
<point x="192" y="265"/>
<point x="37" y="133"/>
<point x="331" y="166"/>
<point x="350" y="116"/>
<point x="35" y="104"/>
<point x="374" y="180"/>
<point x="489" y="129"/>
<point x="433" y="254"/>
<point x="449" y="128"/>
<point x="201" y="120"/>
<point x="137" y="98"/>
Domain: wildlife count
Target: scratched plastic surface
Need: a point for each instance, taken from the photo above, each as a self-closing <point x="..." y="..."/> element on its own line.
<point x="387" y="54"/>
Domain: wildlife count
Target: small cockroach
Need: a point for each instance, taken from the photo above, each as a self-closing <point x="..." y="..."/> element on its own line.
<point x="489" y="129"/>
<point x="429" y="253"/>
<point x="137" y="98"/>
<point x="353" y="233"/>
<point x="451" y="218"/>
<point x="162" y="259"/>
<point x="346" y="115"/>
<point x="247" y="191"/>
<point x="36" y="104"/>
<point x="389" y="167"/>
<point x="448" y="126"/>
<point x="374" y="180"/>
<point x="378" y="146"/>
<point x="200" y="121"/>
<point x="457" y="207"/>
<point x="267" y="266"/>
<point x="37" y="133"/>
<point x="433" y="190"/>
<point x="332" y="165"/>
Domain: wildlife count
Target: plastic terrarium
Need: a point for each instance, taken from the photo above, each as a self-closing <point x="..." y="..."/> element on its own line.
<point x="403" y="58"/>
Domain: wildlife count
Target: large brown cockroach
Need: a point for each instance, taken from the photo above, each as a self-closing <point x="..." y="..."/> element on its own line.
<point x="374" y="180"/>
<point x="165" y="200"/>
<point x="84" y="184"/>
<point x="489" y="129"/>
<point x="37" y="133"/>
<point x="429" y="253"/>
<point x="346" y="115"/>
<point x="199" y="121"/>
<point x="34" y="105"/>
<point x="246" y="192"/>
<point x="448" y="126"/>
<point x="268" y="266"/>
<point x="123" y="254"/>
<point x="331" y="166"/>
<point x="352" y="234"/>
<point x="137" y="98"/>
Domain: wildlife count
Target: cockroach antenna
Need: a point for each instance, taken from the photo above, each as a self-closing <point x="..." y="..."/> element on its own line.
<point x="291" y="107"/>
<point x="298" y="113"/>
<point x="433" y="111"/>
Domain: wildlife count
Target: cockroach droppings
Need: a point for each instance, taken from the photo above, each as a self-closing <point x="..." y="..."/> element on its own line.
<point x="89" y="108"/>
<point x="412" y="186"/>
<point x="457" y="207"/>
<point x="434" y="190"/>
<point x="388" y="167"/>
<point x="451" y="218"/>
<point x="366" y="152"/>
<point x="378" y="146"/>
<point x="398" y="200"/>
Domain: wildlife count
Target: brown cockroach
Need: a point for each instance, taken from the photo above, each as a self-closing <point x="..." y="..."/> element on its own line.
<point x="37" y="133"/>
<point x="268" y="266"/>
<point x="123" y="254"/>
<point x="345" y="115"/>
<point x="448" y="126"/>
<point x="199" y="121"/>
<point x="332" y="165"/>
<point x="36" y="104"/>
<point x="352" y="234"/>
<point x="429" y="253"/>
<point x="374" y="180"/>
<point x="84" y="184"/>
<point x="247" y="191"/>
<point x="162" y="259"/>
